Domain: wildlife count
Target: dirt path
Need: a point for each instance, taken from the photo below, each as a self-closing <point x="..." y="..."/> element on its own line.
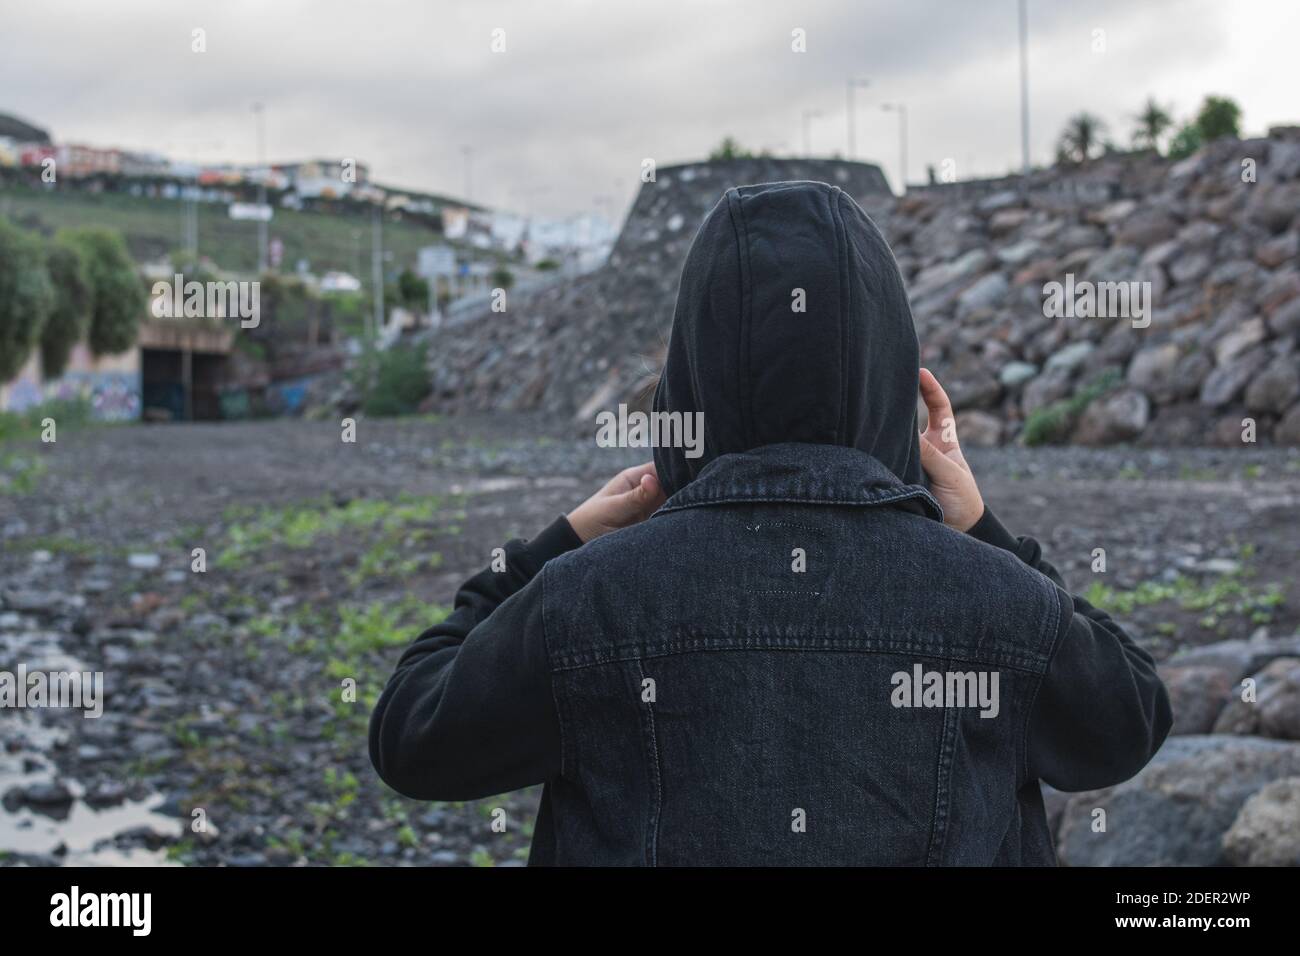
<point x="222" y="689"/>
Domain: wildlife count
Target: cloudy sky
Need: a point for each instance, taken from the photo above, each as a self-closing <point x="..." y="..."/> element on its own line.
<point x="559" y="122"/>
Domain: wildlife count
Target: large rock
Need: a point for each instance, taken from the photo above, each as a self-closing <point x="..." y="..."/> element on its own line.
<point x="976" y="429"/>
<point x="1277" y="251"/>
<point x="1226" y="382"/>
<point x="1276" y="387"/>
<point x="1238" y="340"/>
<point x="1240" y="658"/>
<point x="1242" y="714"/>
<point x="1285" y="320"/>
<point x="1274" y="206"/>
<point x="1053" y="385"/>
<point x="1287" y="431"/>
<point x="1279" y="700"/>
<point x="1266" y="831"/>
<point x="1152" y="370"/>
<point x="1146" y="227"/>
<point x="1069" y="357"/>
<point x="1176" y="811"/>
<point x="1197" y="693"/>
<point x="1015" y="374"/>
<point x="1117" y="417"/>
<point x="984" y="293"/>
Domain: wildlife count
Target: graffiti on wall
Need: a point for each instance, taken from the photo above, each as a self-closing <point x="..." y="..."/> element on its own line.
<point x="112" y="396"/>
<point x="110" y="385"/>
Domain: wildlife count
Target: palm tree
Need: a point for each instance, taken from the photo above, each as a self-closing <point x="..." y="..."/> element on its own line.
<point x="1152" y="123"/>
<point x="1081" y="137"/>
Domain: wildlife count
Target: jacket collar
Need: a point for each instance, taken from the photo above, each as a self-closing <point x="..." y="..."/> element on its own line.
<point x="801" y="473"/>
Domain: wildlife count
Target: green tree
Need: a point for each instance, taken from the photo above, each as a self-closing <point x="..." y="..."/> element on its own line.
<point x="1152" y="123"/>
<point x="502" y="278"/>
<point x="118" y="295"/>
<point x="26" y="297"/>
<point x="1217" y="118"/>
<point x="412" y="290"/>
<point x="1081" y="138"/>
<point x="1185" y="142"/>
<point x="70" y="316"/>
<point x="729" y="149"/>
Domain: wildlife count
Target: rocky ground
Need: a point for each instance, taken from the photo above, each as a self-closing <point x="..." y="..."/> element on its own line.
<point x="224" y="689"/>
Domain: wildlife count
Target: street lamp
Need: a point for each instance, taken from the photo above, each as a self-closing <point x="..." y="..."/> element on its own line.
<point x="1024" y="87"/>
<point x="851" y="117"/>
<point x="901" y="110"/>
<point x="260" y="112"/>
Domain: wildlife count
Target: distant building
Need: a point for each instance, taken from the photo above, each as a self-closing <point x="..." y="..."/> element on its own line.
<point x="34" y="154"/>
<point x="77" y="161"/>
<point x="324" y="178"/>
<point x="145" y="165"/>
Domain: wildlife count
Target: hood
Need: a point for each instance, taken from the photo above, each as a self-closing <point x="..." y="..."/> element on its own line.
<point x="791" y="325"/>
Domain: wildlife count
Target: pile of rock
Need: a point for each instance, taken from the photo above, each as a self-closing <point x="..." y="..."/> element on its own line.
<point x="1208" y="340"/>
<point x="575" y="347"/>
<point x="1210" y="332"/>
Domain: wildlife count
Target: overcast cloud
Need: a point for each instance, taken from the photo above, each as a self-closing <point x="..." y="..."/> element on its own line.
<point x="587" y="88"/>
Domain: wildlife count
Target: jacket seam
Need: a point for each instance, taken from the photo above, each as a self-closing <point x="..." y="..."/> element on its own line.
<point x="842" y="270"/>
<point x="923" y="496"/>
<point x="741" y="230"/>
<point x="1062" y="626"/>
<point x="943" y="775"/>
<point x="552" y="669"/>
<point x="652" y="833"/>
<point x="637" y="652"/>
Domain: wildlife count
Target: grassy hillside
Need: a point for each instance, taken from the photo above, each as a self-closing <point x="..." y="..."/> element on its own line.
<point x="152" y="228"/>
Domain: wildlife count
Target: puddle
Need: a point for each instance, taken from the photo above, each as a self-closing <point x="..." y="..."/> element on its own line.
<point x="76" y="826"/>
<point x="82" y="827"/>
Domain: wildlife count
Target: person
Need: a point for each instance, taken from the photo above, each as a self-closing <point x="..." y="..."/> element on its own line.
<point x="810" y="644"/>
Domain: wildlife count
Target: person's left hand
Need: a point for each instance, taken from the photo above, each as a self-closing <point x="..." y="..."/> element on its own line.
<point x="951" y="480"/>
<point x="630" y="496"/>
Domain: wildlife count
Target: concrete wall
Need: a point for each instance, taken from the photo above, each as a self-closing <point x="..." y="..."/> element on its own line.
<point x="111" y="384"/>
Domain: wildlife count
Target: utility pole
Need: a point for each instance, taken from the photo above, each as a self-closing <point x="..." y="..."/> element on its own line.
<point x="377" y="270"/>
<point x="194" y="223"/>
<point x="260" y="112"/>
<point x="808" y="116"/>
<point x="190" y="222"/>
<point x="901" y="110"/>
<point x="1024" y="87"/>
<point x="851" y="117"/>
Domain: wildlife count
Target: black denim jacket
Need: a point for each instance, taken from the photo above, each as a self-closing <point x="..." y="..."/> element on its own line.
<point x="792" y="662"/>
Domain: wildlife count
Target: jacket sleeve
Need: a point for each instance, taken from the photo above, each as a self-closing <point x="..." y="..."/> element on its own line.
<point x="1101" y="712"/>
<point x="469" y="712"/>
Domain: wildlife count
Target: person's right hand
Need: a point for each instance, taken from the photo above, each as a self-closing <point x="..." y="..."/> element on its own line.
<point x="630" y="496"/>
<point x="951" y="481"/>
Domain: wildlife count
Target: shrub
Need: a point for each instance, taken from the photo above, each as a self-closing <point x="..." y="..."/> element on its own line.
<point x="393" y="382"/>
<point x="502" y="278"/>
<point x="70" y="316"/>
<point x="26" y="297"/>
<point x="118" y="295"/>
<point x="1052" y="423"/>
<point x="1185" y="142"/>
